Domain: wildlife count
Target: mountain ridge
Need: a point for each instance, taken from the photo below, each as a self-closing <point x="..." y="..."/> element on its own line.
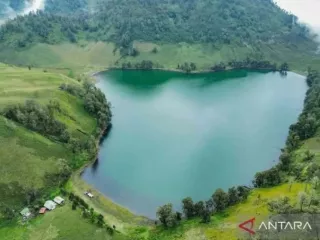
<point x="254" y="28"/>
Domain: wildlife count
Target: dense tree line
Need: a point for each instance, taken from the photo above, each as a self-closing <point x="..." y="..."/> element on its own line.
<point x="38" y="118"/>
<point x="267" y="178"/>
<point x="249" y="63"/>
<point x="187" y="67"/>
<point x="94" y="102"/>
<point x="308" y="121"/>
<point x="303" y="129"/>
<point x="219" y="67"/>
<point x="145" y="64"/>
<point x="252" y="64"/>
<point x="41" y="27"/>
<point x="219" y="201"/>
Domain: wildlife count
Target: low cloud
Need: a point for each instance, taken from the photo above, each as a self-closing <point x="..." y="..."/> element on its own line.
<point x="30" y="6"/>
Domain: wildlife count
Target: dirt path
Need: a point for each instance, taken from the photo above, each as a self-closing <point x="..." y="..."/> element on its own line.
<point x="113" y="213"/>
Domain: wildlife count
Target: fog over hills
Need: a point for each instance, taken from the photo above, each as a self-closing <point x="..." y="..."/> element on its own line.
<point x="12" y="8"/>
<point x="306" y="10"/>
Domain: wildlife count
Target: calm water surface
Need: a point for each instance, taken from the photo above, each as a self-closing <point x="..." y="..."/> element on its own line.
<point x="177" y="135"/>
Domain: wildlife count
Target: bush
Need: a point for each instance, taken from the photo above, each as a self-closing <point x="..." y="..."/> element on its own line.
<point x="38" y="118"/>
<point x="74" y="205"/>
<point x="220" y="200"/>
<point x="166" y="215"/>
<point x="188" y="207"/>
<point x="94" y="102"/>
<point x="267" y="178"/>
<point x="110" y="230"/>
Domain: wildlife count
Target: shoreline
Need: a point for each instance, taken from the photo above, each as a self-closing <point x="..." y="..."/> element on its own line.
<point x="94" y="74"/>
<point x="106" y="131"/>
<point x="99" y="139"/>
<point x="114" y="213"/>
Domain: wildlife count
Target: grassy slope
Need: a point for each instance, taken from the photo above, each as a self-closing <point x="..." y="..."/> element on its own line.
<point x="225" y="226"/>
<point x="23" y="150"/>
<point x="170" y="55"/>
<point x="95" y="56"/>
<point x="113" y="213"/>
<point x="81" y="58"/>
<point x="27" y="157"/>
<point x="91" y="56"/>
<point x="62" y="223"/>
<point x="20" y="84"/>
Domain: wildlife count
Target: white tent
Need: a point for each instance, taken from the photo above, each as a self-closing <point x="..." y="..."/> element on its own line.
<point x="25" y="212"/>
<point x="50" y="205"/>
<point x="90" y="195"/>
<point x="58" y="200"/>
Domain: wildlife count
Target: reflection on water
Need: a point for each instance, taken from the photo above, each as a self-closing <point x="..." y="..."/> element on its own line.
<point x="176" y="135"/>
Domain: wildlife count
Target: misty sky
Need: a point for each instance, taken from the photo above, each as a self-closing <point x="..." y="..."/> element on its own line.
<point x="306" y="10"/>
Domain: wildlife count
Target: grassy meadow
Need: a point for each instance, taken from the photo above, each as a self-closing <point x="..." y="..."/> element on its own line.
<point x="20" y="84"/>
<point x="113" y="213"/>
<point x="62" y="223"/>
<point x="224" y="226"/>
<point x="86" y="57"/>
<point x="27" y="158"/>
<point x="81" y="57"/>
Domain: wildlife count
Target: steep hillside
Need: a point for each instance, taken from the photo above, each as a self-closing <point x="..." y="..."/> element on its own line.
<point x="22" y="149"/>
<point x="48" y="129"/>
<point x="204" y="32"/>
<point x="242" y="22"/>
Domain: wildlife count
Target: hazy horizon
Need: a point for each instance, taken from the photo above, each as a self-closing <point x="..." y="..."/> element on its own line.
<point x="305" y="10"/>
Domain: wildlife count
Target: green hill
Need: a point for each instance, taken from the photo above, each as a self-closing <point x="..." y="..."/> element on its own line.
<point x="35" y="162"/>
<point x="23" y="149"/>
<point x="48" y="131"/>
<point x="204" y="32"/>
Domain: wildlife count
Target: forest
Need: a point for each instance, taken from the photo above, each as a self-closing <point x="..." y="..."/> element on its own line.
<point x="241" y="23"/>
<point x="250" y="24"/>
<point x="219" y="201"/>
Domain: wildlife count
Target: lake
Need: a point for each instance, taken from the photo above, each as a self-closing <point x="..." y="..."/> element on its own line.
<point x="176" y="135"/>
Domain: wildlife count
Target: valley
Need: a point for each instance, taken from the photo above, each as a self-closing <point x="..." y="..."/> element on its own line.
<point x="208" y="112"/>
<point x="190" y="122"/>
